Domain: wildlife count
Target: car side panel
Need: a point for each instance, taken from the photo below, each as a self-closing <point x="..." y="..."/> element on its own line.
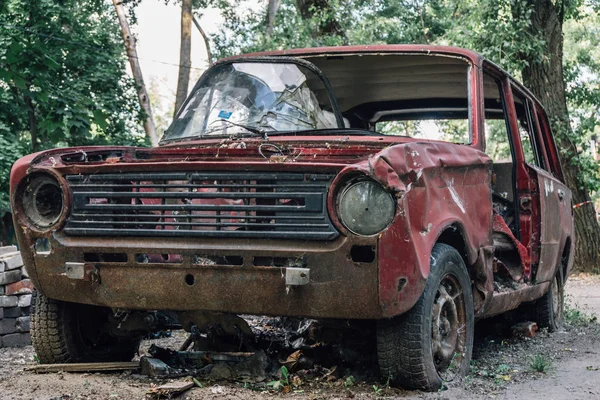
<point x="438" y="186"/>
<point x="555" y="197"/>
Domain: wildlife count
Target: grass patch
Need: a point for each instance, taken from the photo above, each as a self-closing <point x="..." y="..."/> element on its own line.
<point x="539" y="363"/>
<point x="575" y="316"/>
<point x="349" y="382"/>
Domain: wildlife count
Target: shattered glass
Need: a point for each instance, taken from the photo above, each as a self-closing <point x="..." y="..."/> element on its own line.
<point x="253" y="97"/>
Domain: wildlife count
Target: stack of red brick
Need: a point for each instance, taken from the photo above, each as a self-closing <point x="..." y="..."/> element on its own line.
<point x="15" y="299"/>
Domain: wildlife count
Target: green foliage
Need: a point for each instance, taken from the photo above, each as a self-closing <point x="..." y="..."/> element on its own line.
<point x="497" y="147"/>
<point x="11" y="149"/>
<point x="539" y="363"/>
<point x="377" y="390"/>
<point x="349" y="382"/>
<point x="244" y="29"/>
<point x="283" y="382"/>
<point x="503" y="369"/>
<point x="582" y="75"/>
<point x="576" y="317"/>
<point x="63" y="80"/>
<point x="493" y="27"/>
<point x="285" y="375"/>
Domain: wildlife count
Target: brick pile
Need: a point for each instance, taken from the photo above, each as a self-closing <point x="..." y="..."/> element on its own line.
<point x="15" y="299"/>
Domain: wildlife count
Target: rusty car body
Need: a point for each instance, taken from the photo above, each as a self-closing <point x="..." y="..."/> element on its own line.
<point x="247" y="220"/>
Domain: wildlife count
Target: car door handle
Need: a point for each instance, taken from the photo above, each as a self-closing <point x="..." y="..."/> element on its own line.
<point x="561" y="195"/>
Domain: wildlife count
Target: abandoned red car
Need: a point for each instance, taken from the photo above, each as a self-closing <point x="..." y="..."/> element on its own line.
<point x="416" y="187"/>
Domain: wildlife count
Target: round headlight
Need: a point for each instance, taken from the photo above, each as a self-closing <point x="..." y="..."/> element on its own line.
<point x="366" y="207"/>
<point x="42" y="201"/>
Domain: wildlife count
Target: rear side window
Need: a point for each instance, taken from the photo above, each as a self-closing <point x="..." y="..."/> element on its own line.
<point x="454" y="130"/>
<point x="551" y="151"/>
<point x="527" y="131"/>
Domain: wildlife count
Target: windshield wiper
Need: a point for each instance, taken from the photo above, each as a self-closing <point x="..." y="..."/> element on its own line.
<point x="251" y="129"/>
<point x="330" y="131"/>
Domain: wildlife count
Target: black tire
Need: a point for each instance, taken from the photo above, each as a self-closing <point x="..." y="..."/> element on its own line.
<point x="64" y="332"/>
<point x="406" y="345"/>
<point x="548" y="310"/>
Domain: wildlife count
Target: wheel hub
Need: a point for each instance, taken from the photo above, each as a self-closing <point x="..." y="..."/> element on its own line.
<point x="448" y="331"/>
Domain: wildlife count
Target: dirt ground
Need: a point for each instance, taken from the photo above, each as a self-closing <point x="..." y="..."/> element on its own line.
<point x="502" y="368"/>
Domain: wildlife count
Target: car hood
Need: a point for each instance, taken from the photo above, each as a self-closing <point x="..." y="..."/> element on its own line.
<point x="386" y="159"/>
<point x="342" y="150"/>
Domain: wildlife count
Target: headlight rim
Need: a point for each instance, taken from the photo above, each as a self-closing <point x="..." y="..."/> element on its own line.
<point x="357" y="179"/>
<point x="21" y="210"/>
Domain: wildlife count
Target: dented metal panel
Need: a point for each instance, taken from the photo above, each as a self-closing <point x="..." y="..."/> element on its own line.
<point x="435" y="184"/>
<point x="193" y="284"/>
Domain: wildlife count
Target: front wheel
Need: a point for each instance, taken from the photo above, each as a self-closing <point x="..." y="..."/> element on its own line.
<point x="64" y="332"/>
<point x="433" y="342"/>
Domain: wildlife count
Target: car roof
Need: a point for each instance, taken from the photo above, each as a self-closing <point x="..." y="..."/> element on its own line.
<point x="474" y="57"/>
<point x="471" y="55"/>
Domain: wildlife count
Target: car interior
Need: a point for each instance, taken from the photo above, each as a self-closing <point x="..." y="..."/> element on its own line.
<point x="427" y="97"/>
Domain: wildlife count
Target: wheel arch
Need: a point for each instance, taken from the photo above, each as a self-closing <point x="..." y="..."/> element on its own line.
<point x="476" y="261"/>
<point x="565" y="258"/>
<point x="453" y="235"/>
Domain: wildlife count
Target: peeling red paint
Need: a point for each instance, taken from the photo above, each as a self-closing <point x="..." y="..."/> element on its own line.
<point x="437" y="182"/>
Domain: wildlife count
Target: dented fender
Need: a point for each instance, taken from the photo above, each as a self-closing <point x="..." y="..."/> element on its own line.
<point x="438" y="186"/>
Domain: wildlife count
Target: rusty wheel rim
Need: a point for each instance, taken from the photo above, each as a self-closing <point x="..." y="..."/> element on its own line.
<point x="448" y="328"/>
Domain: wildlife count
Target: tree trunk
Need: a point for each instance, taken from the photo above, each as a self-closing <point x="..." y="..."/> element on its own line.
<point x="206" y="41"/>
<point x="137" y="73"/>
<point x="32" y="124"/>
<point x="185" y="59"/>
<point x="321" y="8"/>
<point x="546" y="80"/>
<point x="272" y="8"/>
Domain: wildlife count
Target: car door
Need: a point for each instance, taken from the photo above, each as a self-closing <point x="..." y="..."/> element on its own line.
<point x="529" y="164"/>
<point x="542" y="196"/>
<point x="555" y="202"/>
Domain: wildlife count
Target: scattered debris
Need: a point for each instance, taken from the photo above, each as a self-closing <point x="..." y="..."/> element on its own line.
<point x="220" y="372"/>
<point x="207" y="364"/>
<point x="301" y="349"/>
<point x="85" y="367"/>
<point x="153" y="367"/>
<point x="525" y="329"/>
<point x="170" y="390"/>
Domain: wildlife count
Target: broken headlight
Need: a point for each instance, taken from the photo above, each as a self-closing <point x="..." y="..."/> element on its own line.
<point x="42" y="199"/>
<point x="365" y="207"/>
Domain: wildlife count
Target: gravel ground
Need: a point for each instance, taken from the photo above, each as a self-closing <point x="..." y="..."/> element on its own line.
<point x="501" y="368"/>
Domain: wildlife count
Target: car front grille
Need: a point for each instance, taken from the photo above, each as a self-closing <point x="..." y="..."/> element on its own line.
<point x="201" y="204"/>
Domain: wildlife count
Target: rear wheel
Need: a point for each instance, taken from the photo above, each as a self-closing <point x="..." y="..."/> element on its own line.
<point x="548" y="310"/>
<point x="64" y="332"/>
<point x="432" y="343"/>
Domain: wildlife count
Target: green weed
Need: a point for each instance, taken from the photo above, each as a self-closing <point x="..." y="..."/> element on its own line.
<point x="283" y="382"/>
<point x="503" y="369"/>
<point x="378" y="390"/>
<point x="349" y="382"/>
<point x="575" y="316"/>
<point x="539" y="363"/>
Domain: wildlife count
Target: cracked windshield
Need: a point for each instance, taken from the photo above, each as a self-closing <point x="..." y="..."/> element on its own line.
<point x="255" y="98"/>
